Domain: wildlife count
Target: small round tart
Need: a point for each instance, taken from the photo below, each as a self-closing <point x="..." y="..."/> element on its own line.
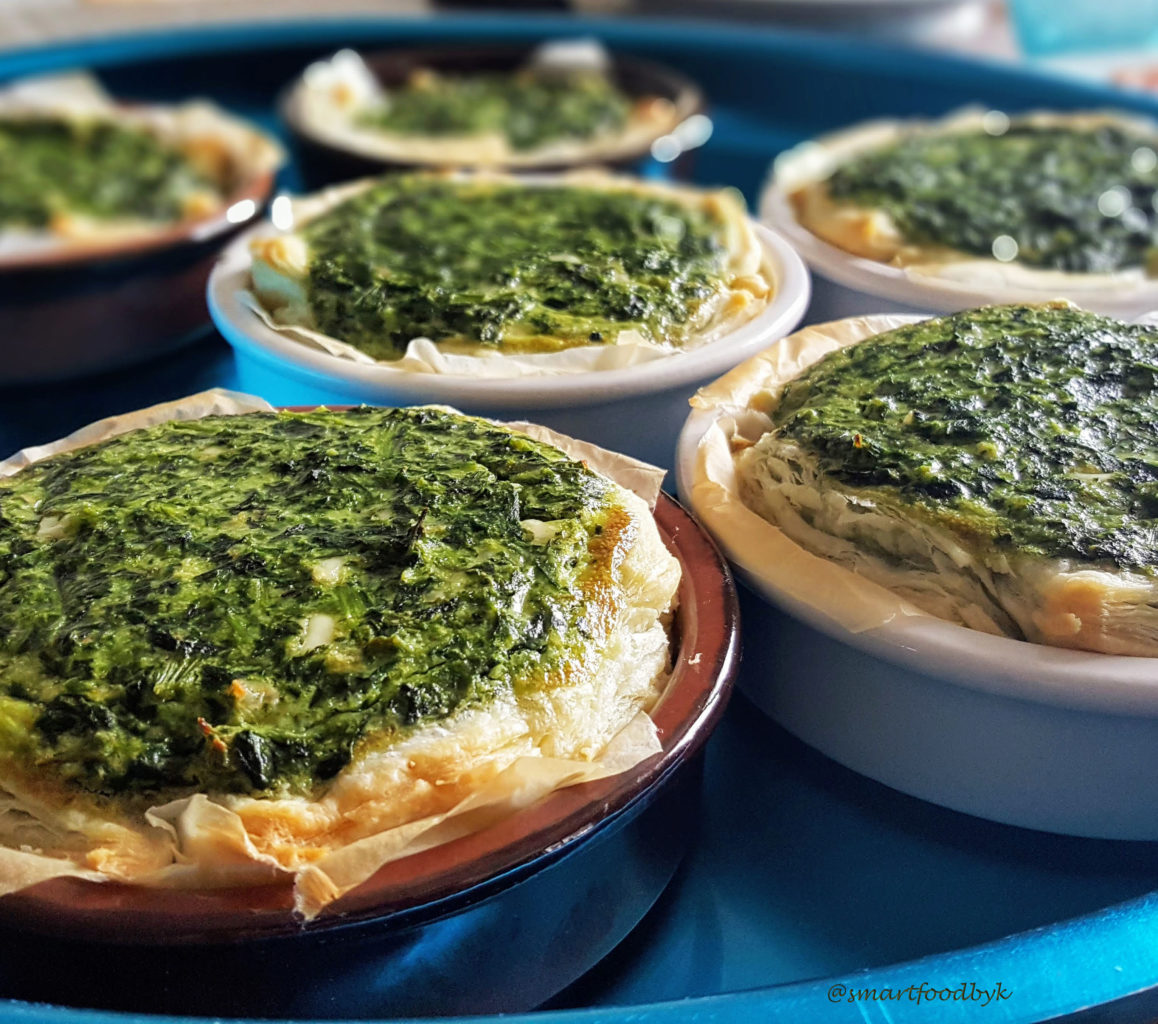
<point x="489" y="264"/>
<point x="248" y="645"/>
<point x="84" y="172"/>
<point x="563" y="105"/>
<point x="56" y="170"/>
<point x="1033" y="206"/>
<point x="995" y="468"/>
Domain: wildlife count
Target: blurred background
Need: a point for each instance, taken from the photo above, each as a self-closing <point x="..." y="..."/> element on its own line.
<point x="1112" y="40"/>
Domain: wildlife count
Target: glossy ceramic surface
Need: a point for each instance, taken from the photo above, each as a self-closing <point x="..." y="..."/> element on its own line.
<point x="1026" y="734"/>
<point x="802" y="876"/>
<point x="109" y="309"/>
<point x="104" y="305"/>
<point x="605" y="407"/>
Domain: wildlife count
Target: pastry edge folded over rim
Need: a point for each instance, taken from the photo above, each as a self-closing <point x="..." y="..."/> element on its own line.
<point x="280" y="265"/>
<point x="225" y="148"/>
<point x="391" y="802"/>
<point x="797" y="191"/>
<point x="1055" y="602"/>
<point x="327" y="111"/>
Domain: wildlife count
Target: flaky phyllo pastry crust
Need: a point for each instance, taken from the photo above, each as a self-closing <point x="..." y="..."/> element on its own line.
<point x="234" y="813"/>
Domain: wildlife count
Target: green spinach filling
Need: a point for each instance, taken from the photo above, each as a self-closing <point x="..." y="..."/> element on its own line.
<point x="51" y="166"/>
<point x="236" y="604"/>
<point x="1074" y="200"/>
<point x="540" y="267"/>
<point x="1031" y="427"/>
<point x="528" y="109"/>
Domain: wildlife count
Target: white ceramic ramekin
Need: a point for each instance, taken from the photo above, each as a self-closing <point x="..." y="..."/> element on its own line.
<point x="1042" y="737"/>
<point x="637" y="410"/>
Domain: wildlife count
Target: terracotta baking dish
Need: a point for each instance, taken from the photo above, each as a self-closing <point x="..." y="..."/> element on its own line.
<point x="98" y="307"/>
<point x="451" y="930"/>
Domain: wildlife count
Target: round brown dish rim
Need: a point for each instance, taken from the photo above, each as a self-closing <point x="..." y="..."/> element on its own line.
<point x="430" y="883"/>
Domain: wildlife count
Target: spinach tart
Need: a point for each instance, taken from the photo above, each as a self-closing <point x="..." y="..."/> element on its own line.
<point x="997" y="468"/>
<point x="563" y="104"/>
<point x="79" y="169"/>
<point x="1052" y="202"/>
<point x="241" y="647"/>
<point x="490" y="265"/>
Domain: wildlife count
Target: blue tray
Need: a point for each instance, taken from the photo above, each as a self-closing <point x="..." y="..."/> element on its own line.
<point x="810" y="894"/>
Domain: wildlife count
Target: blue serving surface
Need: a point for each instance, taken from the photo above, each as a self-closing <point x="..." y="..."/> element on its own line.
<point x="448" y="956"/>
<point x="809" y="893"/>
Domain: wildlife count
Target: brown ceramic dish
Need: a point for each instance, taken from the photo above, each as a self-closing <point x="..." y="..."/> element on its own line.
<point x="324" y="163"/>
<point x="94" y="306"/>
<point x="624" y="835"/>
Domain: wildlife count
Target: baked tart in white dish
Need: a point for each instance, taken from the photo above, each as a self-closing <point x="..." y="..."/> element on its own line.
<point x="83" y="172"/>
<point x="572" y="267"/>
<point x="979" y="206"/>
<point x="240" y="648"/>
<point x="994" y="468"/>
<point x="562" y="104"/>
